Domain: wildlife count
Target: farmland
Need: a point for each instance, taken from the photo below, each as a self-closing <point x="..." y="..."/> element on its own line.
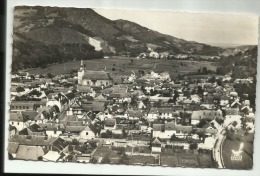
<point x="125" y="65"/>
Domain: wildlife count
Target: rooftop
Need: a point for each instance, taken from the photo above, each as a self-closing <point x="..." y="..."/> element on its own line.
<point x="96" y="75"/>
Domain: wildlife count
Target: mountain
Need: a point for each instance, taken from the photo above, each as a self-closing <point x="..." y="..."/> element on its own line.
<point x="44" y="35"/>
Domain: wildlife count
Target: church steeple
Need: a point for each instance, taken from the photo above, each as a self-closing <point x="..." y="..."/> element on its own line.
<point x="81" y="65"/>
<point x="81" y="72"/>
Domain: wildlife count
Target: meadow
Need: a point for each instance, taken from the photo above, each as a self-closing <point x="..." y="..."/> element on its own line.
<point x="126" y="65"/>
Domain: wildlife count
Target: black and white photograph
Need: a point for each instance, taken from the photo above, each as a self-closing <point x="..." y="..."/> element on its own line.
<point x="133" y="87"/>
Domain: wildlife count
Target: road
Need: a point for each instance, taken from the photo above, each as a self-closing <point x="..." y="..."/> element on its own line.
<point x="221" y="136"/>
<point x="217" y="151"/>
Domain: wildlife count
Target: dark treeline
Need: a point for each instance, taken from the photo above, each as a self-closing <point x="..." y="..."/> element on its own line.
<point x="241" y="64"/>
<point x="32" y="54"/>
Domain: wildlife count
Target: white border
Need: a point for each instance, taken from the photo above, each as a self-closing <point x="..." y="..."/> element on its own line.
<point x="210" y="6"/>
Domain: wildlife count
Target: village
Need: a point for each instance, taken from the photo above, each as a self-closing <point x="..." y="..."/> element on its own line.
<point x="147" y="118"/>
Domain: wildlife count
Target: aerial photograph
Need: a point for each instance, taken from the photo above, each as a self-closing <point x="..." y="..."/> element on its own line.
<point x="128" y="87"/>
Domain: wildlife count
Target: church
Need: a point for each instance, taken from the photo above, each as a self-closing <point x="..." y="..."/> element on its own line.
<point x="93" y="78"/>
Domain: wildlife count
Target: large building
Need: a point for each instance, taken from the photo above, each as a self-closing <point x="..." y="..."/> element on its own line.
<point x="93" y="78"/>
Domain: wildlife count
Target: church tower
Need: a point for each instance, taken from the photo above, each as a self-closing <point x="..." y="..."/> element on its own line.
<point x="81" y="72"/>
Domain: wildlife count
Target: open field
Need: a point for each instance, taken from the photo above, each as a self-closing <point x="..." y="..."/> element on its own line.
<point x="247" y="154"/>
<point x="124" y="66"/>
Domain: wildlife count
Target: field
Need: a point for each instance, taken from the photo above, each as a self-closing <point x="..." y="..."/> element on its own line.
<point x="125" y="66"/>
<point x="247" y="159"/>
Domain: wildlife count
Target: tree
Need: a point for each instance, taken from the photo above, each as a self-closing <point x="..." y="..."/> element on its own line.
<point x="134" y="102"/>
<point x="93" y="160"/>
<point x="173" y="138"/>
<point x="105" y="160"/>
<point x="204" y="70"/>
<point x="70" y="148"/>
<point x="75" y="142"/>
<point x="219" y="82"/>
<point x="124" y="133"/>
<point x="202" y="123"/>
<point x="124" y="159"/>
<point x="32" y="77"/>
<point x="41" y="76"/>
<point x="125" y="104"/>
<point x="56" y="108"/>
<point x="40" y="158"/>
<point x="107" y="134"/>
<point x="200" y="90"/>
<point x="35" y="92"/>
<point x="132" y="61"/>
<point x="193" y="146"/>
<point x="49" y="75"/>
<point x="212" y="79"/>
<point x="19" y="89"/>
<point x="93" y="144"/>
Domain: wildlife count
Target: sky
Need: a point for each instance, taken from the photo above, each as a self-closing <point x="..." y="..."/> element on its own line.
<point x="200" y="27"/>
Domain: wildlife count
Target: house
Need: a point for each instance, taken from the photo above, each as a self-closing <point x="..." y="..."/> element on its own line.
<point x="74" y="127"/>
<point x="233" y="94"/>
<point x="93" y="78"/>
<point x="52" y="129"/>
<point x="208" y="144"/>
<point x="235" y="104"/>
<point x="164" y="131"/>
<point x="53" y="156"/>
<point x="75" y="109"/>
<point x="44" y="114"/>
<point x="152" y="114"/>
<point x="197" y="116"/>
<point x="24" y="75"/>
<point x="195" y="98"/>
<point x="143" y="127"/>
<point x="156" y="145"/>
<point x="141" y="105"/>
<point x="159" y="131"/>
<point x="215" y="123"/>
<point x="12" y="130"/>
<point x="135" y="114"/>
<point x="89" y="132"/>
<point x="30" y="116"/>
<point x="208" y="101"/>
<point x="18" y="120"/>
<point x="250" y="121"/>
<point x="245" y="109"/>
<point x="154" y="55"/>
<point x="246" y="102"/>
<point x="149" y="87"/>
<point x="110" y="124"/>
<point x="25" y="152"/>
<point x="60" y="100"/>
<point x="101" y="98"/>
<point x="35" y="130"/>
<point x="98" y="107"/>
<point x="22" y="106"/>
<point x="12" y="148"/>
<point x="48" y="143"/>
<point x="83" y="158"/>
<point x="120" y="97"/>
<point x="165" y="113"/>
<point x="232" y="111"/>
<point x="84" y="89"/>
<point x="224" y="101"/>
